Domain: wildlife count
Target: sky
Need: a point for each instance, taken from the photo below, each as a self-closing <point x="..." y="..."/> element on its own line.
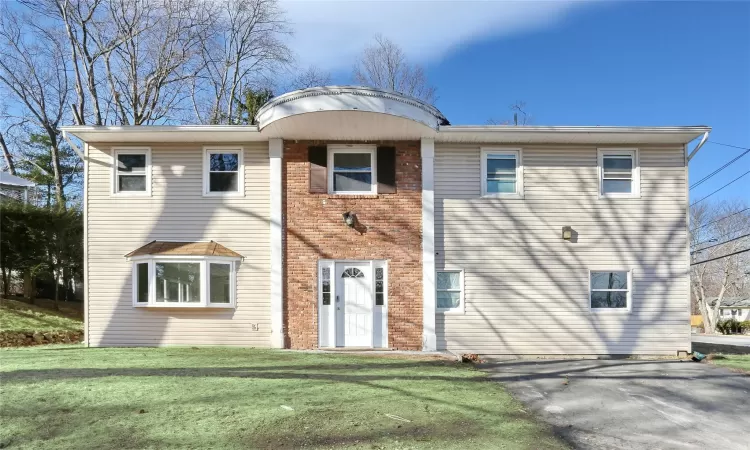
<point x="573" y="63"/>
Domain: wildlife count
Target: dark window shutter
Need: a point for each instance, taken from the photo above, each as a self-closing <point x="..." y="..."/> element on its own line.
<point x="318" y="158"/>
<point x="386" y="170"/>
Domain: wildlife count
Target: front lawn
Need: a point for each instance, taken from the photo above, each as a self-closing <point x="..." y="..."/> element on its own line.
<point x="74" y="397"/>
<point x="741" y="362"/>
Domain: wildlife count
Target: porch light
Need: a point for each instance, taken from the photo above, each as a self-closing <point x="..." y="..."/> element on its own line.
<point x="567" y="233"/>
<point x="350" y="219"/>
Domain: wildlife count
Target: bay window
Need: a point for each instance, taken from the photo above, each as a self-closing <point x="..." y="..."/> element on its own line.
<point x="199" y="281"/>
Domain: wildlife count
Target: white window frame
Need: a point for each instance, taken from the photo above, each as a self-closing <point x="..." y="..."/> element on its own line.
<point x="369" y="149"/>
<point x="635" y="181"/>
<point x="205" y="290"/>
<point x="518" y="154"/>
<point x="461" y="308"/>
<point x="208" y="150"/>
<point x="629" y="298"/>
<point x="116" y="168"/>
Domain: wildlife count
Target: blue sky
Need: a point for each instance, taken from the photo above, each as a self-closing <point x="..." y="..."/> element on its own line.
<point x="580" y="63"/>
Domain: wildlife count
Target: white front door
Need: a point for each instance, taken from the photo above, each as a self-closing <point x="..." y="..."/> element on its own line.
<point x="354" y="305"/>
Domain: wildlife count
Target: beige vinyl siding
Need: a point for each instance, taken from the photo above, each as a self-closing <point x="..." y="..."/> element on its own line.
<point x="526" y="290"/>
<point x="176" y="210"/>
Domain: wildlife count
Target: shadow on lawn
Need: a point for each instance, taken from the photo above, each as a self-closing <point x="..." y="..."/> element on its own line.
<point x="380" y="372"/>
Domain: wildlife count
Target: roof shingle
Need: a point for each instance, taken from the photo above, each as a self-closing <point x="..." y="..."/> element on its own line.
<point x="210" y="248"/>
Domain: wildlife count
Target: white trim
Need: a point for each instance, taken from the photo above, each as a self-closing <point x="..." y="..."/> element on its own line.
<point x="429" y="338"/>
<point x="86" y="277"/>
<point x="629" y="305"/>
<point x="327" y="313"/>
<point x="276" y="154"/>
<point x="461" y="309"/>
<point x="207" y="150"/>
<point x="518" y="154"/>
<point x="205" y="279"/>
<point x="687" y="273"/>
<point x="382" y="310"/>
<point x="344" y="148"/>
<point x="115" y="187"/>
<point x="636" y="173"/>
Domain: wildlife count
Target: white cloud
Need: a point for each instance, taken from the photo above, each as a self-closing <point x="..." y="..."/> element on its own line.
<point x="330" y="34"/>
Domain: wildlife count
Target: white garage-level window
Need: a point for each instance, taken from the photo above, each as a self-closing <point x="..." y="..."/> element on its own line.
<point x="610" y="290"/>
<point x="502" y="172"/>
<point x="190" y="282"/>
<point x="131" y="171"/>
<point x="619" y="173"/>
<point x="352" y="169"/>
<point x="450" y="295"/>
<point x="223" y="171"/>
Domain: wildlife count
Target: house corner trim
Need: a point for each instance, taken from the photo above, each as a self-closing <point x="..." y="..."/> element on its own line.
<point x="429" y="341"/>
<point x="275" y="154"/>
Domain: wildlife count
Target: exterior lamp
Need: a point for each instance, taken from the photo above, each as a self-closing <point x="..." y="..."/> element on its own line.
<point x="349" y="219"/>
<point x="567" y="233"/>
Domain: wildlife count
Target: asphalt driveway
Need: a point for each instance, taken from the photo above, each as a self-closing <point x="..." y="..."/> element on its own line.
<point x="631" y="404"/>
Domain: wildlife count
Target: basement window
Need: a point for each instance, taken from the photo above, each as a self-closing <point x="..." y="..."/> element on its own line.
<point x="610" y="290"/>
<point x="450" y="295"/>
<point x="184" y="282"/>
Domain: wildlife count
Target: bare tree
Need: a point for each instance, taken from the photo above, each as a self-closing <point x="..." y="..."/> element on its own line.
<point x="244" y="50"/>
<point x="150" y="73"/>
<point x="521" y="116"/>
<point x="717" y="230"/>
<point x="90" y="37"/>
<point x="384" y="65"/>
<point x="33" y="73"/>
<point x="7" y="155"/>
<point x="310" y="77"/>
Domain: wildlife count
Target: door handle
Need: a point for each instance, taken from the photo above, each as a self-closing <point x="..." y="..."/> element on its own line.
<point x="338" y="308"/>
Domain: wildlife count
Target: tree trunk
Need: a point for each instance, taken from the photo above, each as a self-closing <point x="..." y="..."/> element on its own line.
<point x="6" y="277"/>
<point x="57" y="173"/>
<point x="8" y="156"/>
<point x="28" y="286"/>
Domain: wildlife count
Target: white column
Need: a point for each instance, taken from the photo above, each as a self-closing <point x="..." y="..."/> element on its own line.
<point x="429" y="342"/>
<point x="275" y="154"/>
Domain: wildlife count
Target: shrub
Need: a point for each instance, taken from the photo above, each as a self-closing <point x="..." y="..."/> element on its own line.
<point x="732" y="326"/>
<point x="745" y="326"/>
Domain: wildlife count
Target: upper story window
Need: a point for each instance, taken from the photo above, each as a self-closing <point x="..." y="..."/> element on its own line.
<point x="502" y="174"/>
<point x="352" y="170"/>
<point x="618" y="173"/>
<point x="450" y="295"/>
<point x="131" y="171"/>
<point x="610" y="290"/>
<point x="223" y="171"/>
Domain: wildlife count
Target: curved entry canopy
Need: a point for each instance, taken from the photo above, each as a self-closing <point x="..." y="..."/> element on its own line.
<point x="348" y="113"/>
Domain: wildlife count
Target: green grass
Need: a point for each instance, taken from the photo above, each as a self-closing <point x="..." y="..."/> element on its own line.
<point x="19" y="316"/>
<point x="741" y="362"/>
<point x="73" y="397"/>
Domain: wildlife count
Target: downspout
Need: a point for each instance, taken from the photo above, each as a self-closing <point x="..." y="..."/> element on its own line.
<point x="698" y="147"/>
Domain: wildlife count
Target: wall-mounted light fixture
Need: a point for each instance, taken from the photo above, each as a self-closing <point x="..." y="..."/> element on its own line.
<point x="567" y="233"/>
<point x="350" y="219"/>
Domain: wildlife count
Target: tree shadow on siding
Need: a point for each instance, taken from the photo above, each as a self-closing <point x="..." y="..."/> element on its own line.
<point x="543" y="290"/>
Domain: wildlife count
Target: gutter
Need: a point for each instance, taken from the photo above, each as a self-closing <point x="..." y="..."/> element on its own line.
<point x="698" y="147"/>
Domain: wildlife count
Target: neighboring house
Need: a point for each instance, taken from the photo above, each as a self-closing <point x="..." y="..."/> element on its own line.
<point x="737" y="308"/>
<point x="14" y="188"/>
<point x="356" y="217"/>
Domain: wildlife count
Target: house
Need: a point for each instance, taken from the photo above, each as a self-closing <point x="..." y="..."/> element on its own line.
<point x="14" y="188"/>
<point x="360" y="218"/>
<point x="737" y="308"/>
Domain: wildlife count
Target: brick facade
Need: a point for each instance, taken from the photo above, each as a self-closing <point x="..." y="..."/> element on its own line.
<point x="391" y="229"/>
